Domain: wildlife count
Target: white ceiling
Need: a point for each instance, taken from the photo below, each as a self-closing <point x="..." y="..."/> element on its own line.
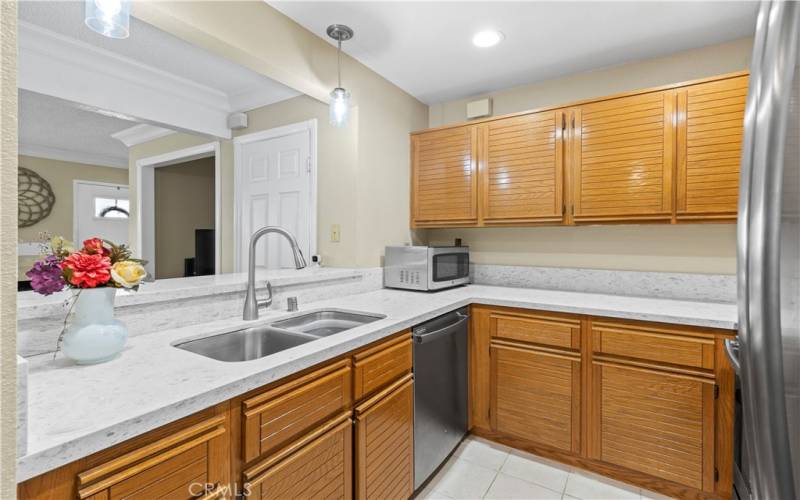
<point x="425" y="47"/>
<point x="70" y="131"/>
<point x="53" y="128"/>
<point x="153" y="47"/>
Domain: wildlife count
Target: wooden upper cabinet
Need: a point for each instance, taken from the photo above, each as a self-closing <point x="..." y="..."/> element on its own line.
<point x="444" y="183"/>
<point x="521" y="169"/>
<point x="622" y="159"/>
<point x="709" y="126"/>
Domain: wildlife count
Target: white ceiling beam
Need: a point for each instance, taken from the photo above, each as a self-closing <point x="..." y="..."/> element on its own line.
<point x="59" y="66"/>
<point x="140" y="133"/>
<point x="53" y="153"/>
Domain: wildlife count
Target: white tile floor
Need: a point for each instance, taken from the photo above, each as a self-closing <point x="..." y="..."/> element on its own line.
<point x="482" y="469"/>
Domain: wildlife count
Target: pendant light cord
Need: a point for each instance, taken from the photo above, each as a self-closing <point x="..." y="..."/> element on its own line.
<point x="339" y="62"/>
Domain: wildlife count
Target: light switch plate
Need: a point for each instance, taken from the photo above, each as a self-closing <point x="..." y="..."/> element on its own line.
<point x="336" y="233"/>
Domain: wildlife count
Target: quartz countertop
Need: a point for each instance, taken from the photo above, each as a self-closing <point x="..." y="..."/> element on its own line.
<point x="75" y="411"/>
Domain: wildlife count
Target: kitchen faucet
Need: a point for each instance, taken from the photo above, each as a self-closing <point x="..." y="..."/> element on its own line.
<point x="250" y="303"/>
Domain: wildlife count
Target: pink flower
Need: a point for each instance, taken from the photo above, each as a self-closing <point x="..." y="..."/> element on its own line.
<point x="85" y="270"/>
<point x="95" y="245"/>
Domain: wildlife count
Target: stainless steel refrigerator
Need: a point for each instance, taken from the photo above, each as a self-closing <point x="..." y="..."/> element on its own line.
<point x="767" y="359"/>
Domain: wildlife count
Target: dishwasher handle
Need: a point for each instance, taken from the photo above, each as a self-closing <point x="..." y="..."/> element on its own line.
<point x="423" y="338"/>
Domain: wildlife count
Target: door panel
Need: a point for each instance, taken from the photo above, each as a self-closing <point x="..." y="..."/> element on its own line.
<point x="661" y="424"/>
<point x="522" y="169"/>
<point x="320" y="467"/>
<point x="444" y="183"/>
<point x="275" y="190"/>
<point x="536" y="395"/>
<point x="709" y="136"/>
<point x="622" y="158"/>
<point x="385" y="443"/>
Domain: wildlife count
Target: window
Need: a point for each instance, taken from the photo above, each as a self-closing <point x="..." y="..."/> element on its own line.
<point x="111" y="208"/>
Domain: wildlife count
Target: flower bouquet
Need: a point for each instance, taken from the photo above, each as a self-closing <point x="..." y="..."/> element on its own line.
<point x="96" y="271"/>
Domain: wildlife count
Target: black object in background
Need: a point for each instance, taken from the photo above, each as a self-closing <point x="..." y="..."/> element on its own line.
<point x="204" y="252"/>
<point x="188" y="267"/>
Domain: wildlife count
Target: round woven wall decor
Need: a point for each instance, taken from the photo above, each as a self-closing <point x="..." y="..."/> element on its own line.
<point x="35" y="197"/>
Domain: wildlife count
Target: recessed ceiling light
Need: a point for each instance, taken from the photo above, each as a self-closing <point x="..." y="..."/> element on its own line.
<point x="487" y="38"/>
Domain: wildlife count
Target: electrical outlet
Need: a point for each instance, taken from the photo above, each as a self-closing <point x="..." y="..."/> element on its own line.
<point x="336" y="233"/>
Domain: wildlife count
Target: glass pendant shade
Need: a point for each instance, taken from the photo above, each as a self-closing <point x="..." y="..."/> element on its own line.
<point x="111" y="18"/>
<point x="340" y="107"/>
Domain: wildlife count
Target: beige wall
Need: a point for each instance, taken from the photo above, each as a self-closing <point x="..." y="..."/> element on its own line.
<point x="60" y="175"/>
<point x="184" y="201"/>
<point x="682" y="66"/>
<point x="691" y="248"/>
<point x="176" y="142"/>
<point x="8" y="246"/>
<point x="369" y="190"/>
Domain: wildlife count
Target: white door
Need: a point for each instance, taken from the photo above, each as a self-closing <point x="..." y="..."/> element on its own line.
<point x="100" y="210"/>
<point x="275" y="190"/>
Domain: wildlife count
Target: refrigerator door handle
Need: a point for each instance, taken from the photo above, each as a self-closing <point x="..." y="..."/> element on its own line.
<point x="732" y="351"/>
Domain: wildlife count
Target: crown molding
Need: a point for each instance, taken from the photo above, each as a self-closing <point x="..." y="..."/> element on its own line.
<point x="61" y="154"/>
<point x="85" y="74"/>
<point x="140" y="133"/>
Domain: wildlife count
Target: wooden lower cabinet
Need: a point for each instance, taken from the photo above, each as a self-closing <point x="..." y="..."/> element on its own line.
<point x="384" y="454"/>
<point x="186" y="459"/>
<point x="318" y="466"/>
<point x="646" y="403"/>
<point x="536" y="395"/>
<point x="659" y="423"/>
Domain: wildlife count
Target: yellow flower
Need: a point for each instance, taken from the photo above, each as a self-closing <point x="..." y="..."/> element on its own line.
<point x="60" y="246"/>
<point x="128" y="273"/>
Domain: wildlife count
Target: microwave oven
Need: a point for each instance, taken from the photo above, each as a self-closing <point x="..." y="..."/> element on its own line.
<point x="425" y="268"/>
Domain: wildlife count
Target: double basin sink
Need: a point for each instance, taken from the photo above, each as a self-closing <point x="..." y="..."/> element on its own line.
<point x="253" y="343"/>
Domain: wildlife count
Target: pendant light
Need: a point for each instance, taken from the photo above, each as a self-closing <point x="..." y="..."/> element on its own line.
<point x="340" y="98"/>
<point x="111" y="18"/>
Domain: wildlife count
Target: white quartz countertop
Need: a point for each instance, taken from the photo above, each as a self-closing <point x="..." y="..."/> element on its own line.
<point x="75" y="411"/>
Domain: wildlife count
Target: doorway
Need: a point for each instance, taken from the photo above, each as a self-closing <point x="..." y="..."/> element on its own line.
<point x="100" y="210"/>
<point x="177" y="230"/>
<point x="275" y="185"/>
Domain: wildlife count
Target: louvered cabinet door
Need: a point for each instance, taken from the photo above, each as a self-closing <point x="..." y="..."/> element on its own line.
<point x="622" y="159"/>
<point x="444" y="181"/>
<point x="710" y="126"/>
<point x="535" y="395"/>
<point x="522" y="169"/>
<point x="658" y="423"/>
<point x="385" y="443"/>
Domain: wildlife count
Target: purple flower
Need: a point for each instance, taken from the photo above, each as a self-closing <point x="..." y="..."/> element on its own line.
<point x="46" y="277"/>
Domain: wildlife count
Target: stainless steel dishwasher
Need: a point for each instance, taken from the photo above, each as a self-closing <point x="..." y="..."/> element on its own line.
<point x="440" y="390"/>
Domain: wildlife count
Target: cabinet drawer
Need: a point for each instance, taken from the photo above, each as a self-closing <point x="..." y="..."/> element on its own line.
<point x="542" y="329"/>
<point x="385" y="443"/>
<point x="182" y="465"/>
<point x="381" y="365"/>
<point x="317" y="466"/>
<point x="652" y="343"/>
<point x="277" y="417"/>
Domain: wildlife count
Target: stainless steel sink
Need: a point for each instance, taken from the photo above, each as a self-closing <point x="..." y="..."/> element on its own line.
<point x="326" y="322"/>
<point x="246" y="344"/>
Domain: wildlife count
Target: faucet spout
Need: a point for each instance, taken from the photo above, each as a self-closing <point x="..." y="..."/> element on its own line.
<point x="250" y="303"/>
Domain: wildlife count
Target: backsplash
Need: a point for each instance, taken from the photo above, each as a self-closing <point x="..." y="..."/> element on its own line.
<point x="678" y="286"/>
<point x="38" y="327"/>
